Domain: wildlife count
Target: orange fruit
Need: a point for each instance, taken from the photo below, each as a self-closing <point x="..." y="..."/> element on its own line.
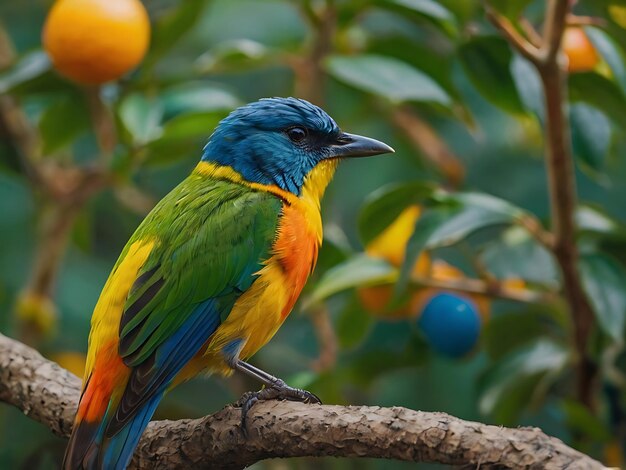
<point x="581" y="54"/>
<point x="96" y="41"/>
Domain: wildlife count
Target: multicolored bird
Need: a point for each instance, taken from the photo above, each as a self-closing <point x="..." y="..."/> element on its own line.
<point x="211" y="273"/>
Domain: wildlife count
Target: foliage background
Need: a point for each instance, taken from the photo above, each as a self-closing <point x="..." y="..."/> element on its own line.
<point x="459" y="77"/>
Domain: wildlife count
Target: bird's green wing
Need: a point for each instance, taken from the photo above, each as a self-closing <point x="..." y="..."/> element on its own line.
<point x="211" y="237"/>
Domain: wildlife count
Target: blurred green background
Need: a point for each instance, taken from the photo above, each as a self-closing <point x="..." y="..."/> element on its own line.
<point x="463" y="112"/>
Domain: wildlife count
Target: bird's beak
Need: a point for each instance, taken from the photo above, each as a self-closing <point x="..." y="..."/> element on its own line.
<point x="351" y="145"/>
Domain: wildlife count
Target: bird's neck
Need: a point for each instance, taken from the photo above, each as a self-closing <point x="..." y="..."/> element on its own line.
<point x="312" y="191"/>
<point x="317" y="181"/>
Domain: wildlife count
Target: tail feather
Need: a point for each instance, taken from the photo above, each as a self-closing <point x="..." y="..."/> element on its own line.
<point x="90" y="448"/>
<point x="118" y="449"/>
<point x="83" y="447"/>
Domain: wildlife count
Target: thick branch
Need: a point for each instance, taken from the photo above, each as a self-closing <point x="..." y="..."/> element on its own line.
<point x="48" y="394"/>
<point x="561" y="178"/>
<point x="562" y="185"/>
<point x="563" y="198"/>
<point x="554" y="24"/>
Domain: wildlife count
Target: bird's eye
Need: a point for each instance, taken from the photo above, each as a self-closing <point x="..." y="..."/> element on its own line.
<point x="296" y="134"/>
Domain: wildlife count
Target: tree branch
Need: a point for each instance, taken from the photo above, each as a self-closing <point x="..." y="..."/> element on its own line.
<point x="554" y="24"/>
<point x="561" y="181"/>
<point x="562" y="187"/>
<point x="48" y="394"/>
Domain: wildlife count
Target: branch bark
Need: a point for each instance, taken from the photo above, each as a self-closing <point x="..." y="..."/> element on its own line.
<point x="48" y="394"/>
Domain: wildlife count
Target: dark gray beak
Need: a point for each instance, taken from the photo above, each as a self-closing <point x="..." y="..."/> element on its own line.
<point x="351" y="145"/>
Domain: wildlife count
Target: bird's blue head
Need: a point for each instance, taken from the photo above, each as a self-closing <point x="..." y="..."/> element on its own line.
<point x="278" y="141"/>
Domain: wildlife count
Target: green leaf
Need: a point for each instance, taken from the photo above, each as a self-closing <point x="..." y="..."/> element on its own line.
<point x="190" y="125"/>
<point x="182" y="137"/>
<point x="426" y="7"/>
<point x="172" y="26"/>
<point x="353" y="325"/>
<point x="387" y="77"/>
<point x="197" y="96"/>
<point x="528" y="85"/>
<point x="27" y="68"/>
<point x="141" y="118"/>
<point x="596" y="220"/>
<point x="507" y="332"/>
<point x="604" y="280"/>
<point x="477" y="210"/>
<point x="429" y="9"/>
<point x="453" y="217"/>
<point x="62" y="122"/>
<point x="360" y="270"/>
<point x="599" y="92"/>
<point x="486" y="61"/>
<point x="518" y="254"/>
<point x="235" y="54"/>
<point x="510" y="8"/>
<point x="521" y="369"/>
<point x="383" y="206"/>
<point x="591" y="135"/>
<point x="579" y="418"/>
<point x="332" y="252"/>
<point x="610" y="52"/>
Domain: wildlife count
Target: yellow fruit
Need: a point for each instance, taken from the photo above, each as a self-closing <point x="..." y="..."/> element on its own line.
<point x="390" y="245"/>
<point x="72" y="361"/>
<point x="36" y="313"/>
<point x="581" y="54"/>
<point x="96" y="41"/>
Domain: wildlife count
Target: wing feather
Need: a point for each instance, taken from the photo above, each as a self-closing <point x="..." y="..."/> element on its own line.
<point x="210" y="243"/>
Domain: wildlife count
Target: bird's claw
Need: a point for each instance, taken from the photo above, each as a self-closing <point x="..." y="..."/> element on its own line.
<point x="278" y="391"/>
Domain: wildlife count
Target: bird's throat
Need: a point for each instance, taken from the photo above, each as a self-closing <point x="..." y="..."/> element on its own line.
<point x="317" y="181"/>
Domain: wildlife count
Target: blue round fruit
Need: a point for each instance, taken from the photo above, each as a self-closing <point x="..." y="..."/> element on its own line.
<point x="451" y="324"/>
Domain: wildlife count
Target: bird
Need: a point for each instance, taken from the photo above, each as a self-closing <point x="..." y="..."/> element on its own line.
<point x="211" y="273"/>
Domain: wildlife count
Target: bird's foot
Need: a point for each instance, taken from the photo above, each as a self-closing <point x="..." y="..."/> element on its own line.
<point x="279" y="390"/>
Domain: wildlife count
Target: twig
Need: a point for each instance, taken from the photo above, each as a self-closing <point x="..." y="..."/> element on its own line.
<point x="23" y="138"/>
<point x="103" y="122"/>
<point x="423" y="136"/>
<point x="491" y="288"/>
<point x="326" y="337"/>
<point x="578" y="20"/>
<point x="48" y="394"/>
<point x="537" y="231"/>
<point x="310" y="75"/>
<point x="533" y="35"/>
<point x="507" y="29"/>
<point x="7" y="52"/>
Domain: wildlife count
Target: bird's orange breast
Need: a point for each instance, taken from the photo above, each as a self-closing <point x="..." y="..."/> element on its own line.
<point x="295" y="251"/>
